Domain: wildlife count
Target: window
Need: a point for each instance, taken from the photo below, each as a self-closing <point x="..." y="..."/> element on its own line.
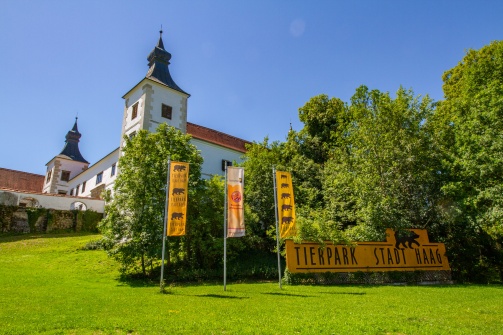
<point x="65" y="175"/>
<point x="166" y="111"/>
<point x="99" y="178"/>
<point x="134" y="113"/>
<point x="71" y="191"/>
<point x="225" y="163"/>
<point x="113" y="170"/>
<point x="133" y="134"/>
<point x="63" y="192"/>
<point x="97" y="191"/>
<point x="83" y="187"/>
<point x="49" y="176"/>
<point x="77" y="190"/>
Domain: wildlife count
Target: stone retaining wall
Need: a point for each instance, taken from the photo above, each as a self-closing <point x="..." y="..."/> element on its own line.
<point x="14" y="219"/>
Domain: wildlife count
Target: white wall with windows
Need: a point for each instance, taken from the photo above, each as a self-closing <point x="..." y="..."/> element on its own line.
<point x="149" y="104"/>
<point x="213" y="155"/>
<point x="96" y="177"/>
<point x="61" y="170"/>
<point x="135" y="104"/>
<point x="174" y="100"/>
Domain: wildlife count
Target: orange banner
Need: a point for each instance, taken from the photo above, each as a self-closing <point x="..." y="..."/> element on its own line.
<point x="286" y="204"/>
<point x="235" y="209"/>
<point x="177" y="203"/>
<point x="401" y="252"/>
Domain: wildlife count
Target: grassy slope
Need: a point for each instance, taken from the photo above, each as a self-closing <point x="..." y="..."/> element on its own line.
<point x="48" y="285"/>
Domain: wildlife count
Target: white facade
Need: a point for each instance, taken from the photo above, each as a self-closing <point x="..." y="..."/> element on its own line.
<point x="148" y="98"/>
<point x="99" y="176"/>
<point x="213" y="155"/>
<point x="56" y="168"/>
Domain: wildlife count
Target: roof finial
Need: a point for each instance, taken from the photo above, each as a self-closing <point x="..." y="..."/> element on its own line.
<point x="160" y="44"/>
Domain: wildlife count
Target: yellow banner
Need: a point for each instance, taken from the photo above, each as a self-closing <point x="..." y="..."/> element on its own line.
<point x="235" y="208"/>
<point x="408" y="252"/>
<point x="177" y="203"/>
<point x="286" y="204"/>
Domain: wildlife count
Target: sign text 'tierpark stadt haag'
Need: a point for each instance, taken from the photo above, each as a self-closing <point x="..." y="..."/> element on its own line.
<point x="405" y="252"/>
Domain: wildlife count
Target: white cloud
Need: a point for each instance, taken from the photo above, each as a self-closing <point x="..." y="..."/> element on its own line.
<point x="297" y="27"/>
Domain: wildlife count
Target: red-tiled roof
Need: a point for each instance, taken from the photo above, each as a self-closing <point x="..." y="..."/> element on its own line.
<point x="21" y="181"/>
<point x="216" y="137"/>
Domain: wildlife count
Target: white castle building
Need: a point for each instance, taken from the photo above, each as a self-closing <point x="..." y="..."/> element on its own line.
<point x="154" y="100"/>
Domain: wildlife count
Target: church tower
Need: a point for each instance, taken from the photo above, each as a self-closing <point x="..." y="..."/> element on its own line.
<point x="66" y="165"/>
<point x="156" y="98"/>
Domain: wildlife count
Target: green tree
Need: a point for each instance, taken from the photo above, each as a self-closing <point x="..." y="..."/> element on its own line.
<point x="133" y="225"/>
<point x="203" y="242"/>
<point x="306" y="151"/>
<point x="259" y="193"/>
<point x="469" y="129"/>
<point x="301" y="156"/>
<point x="325" y="120"/>
<point x="384" y="172"/>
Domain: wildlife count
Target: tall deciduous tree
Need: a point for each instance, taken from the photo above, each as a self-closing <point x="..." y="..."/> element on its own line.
<point x="390" y="160"/>
<point x="469" y="125"/>
<point x="133" y="225"/>
<point x="324" y="121"/>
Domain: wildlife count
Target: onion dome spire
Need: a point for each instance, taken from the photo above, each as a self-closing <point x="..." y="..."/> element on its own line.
<point x="71" y="149"/>
<point x="158" y="62"/>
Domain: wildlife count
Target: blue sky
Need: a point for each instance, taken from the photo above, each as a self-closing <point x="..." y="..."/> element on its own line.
<point x="248" y="65"/>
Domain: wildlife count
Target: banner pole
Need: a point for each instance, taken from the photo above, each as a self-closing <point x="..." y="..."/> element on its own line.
<point x="161" y="284"/>
<point x="277" y="225"/>
<point x="225" y="229"/>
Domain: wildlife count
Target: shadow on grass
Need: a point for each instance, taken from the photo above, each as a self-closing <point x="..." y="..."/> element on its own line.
<point x="152" y="280"/>
<point x="344" y="293"/>
<point x="220" y="296"/>
<point x="137" y="281"/>
<point x="289" y="294"/>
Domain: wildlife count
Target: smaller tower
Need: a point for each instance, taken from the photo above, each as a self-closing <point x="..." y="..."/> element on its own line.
<point x="66" y="165"/>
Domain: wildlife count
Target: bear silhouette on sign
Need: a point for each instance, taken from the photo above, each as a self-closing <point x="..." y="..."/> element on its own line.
<point x="406" y="241"/>
<point x="178" y="191"/>
<point x="286" y="207"/>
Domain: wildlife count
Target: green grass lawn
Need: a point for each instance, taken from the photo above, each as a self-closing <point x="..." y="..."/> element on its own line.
<point x="49" y="285"/>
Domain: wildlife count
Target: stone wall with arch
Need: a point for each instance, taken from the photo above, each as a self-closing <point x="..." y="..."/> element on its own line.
<point x="25" y="212"/>
<point x="49" y="201"/>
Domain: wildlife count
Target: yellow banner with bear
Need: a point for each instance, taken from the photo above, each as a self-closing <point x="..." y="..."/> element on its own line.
<point x="177" y="198"/>
<point x="286" y="204"/>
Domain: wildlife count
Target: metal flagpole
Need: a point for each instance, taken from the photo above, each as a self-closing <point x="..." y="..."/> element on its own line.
<point x="165" y="226"/>
<point x="277" y="228"/>
<point x="225" y="229"/>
